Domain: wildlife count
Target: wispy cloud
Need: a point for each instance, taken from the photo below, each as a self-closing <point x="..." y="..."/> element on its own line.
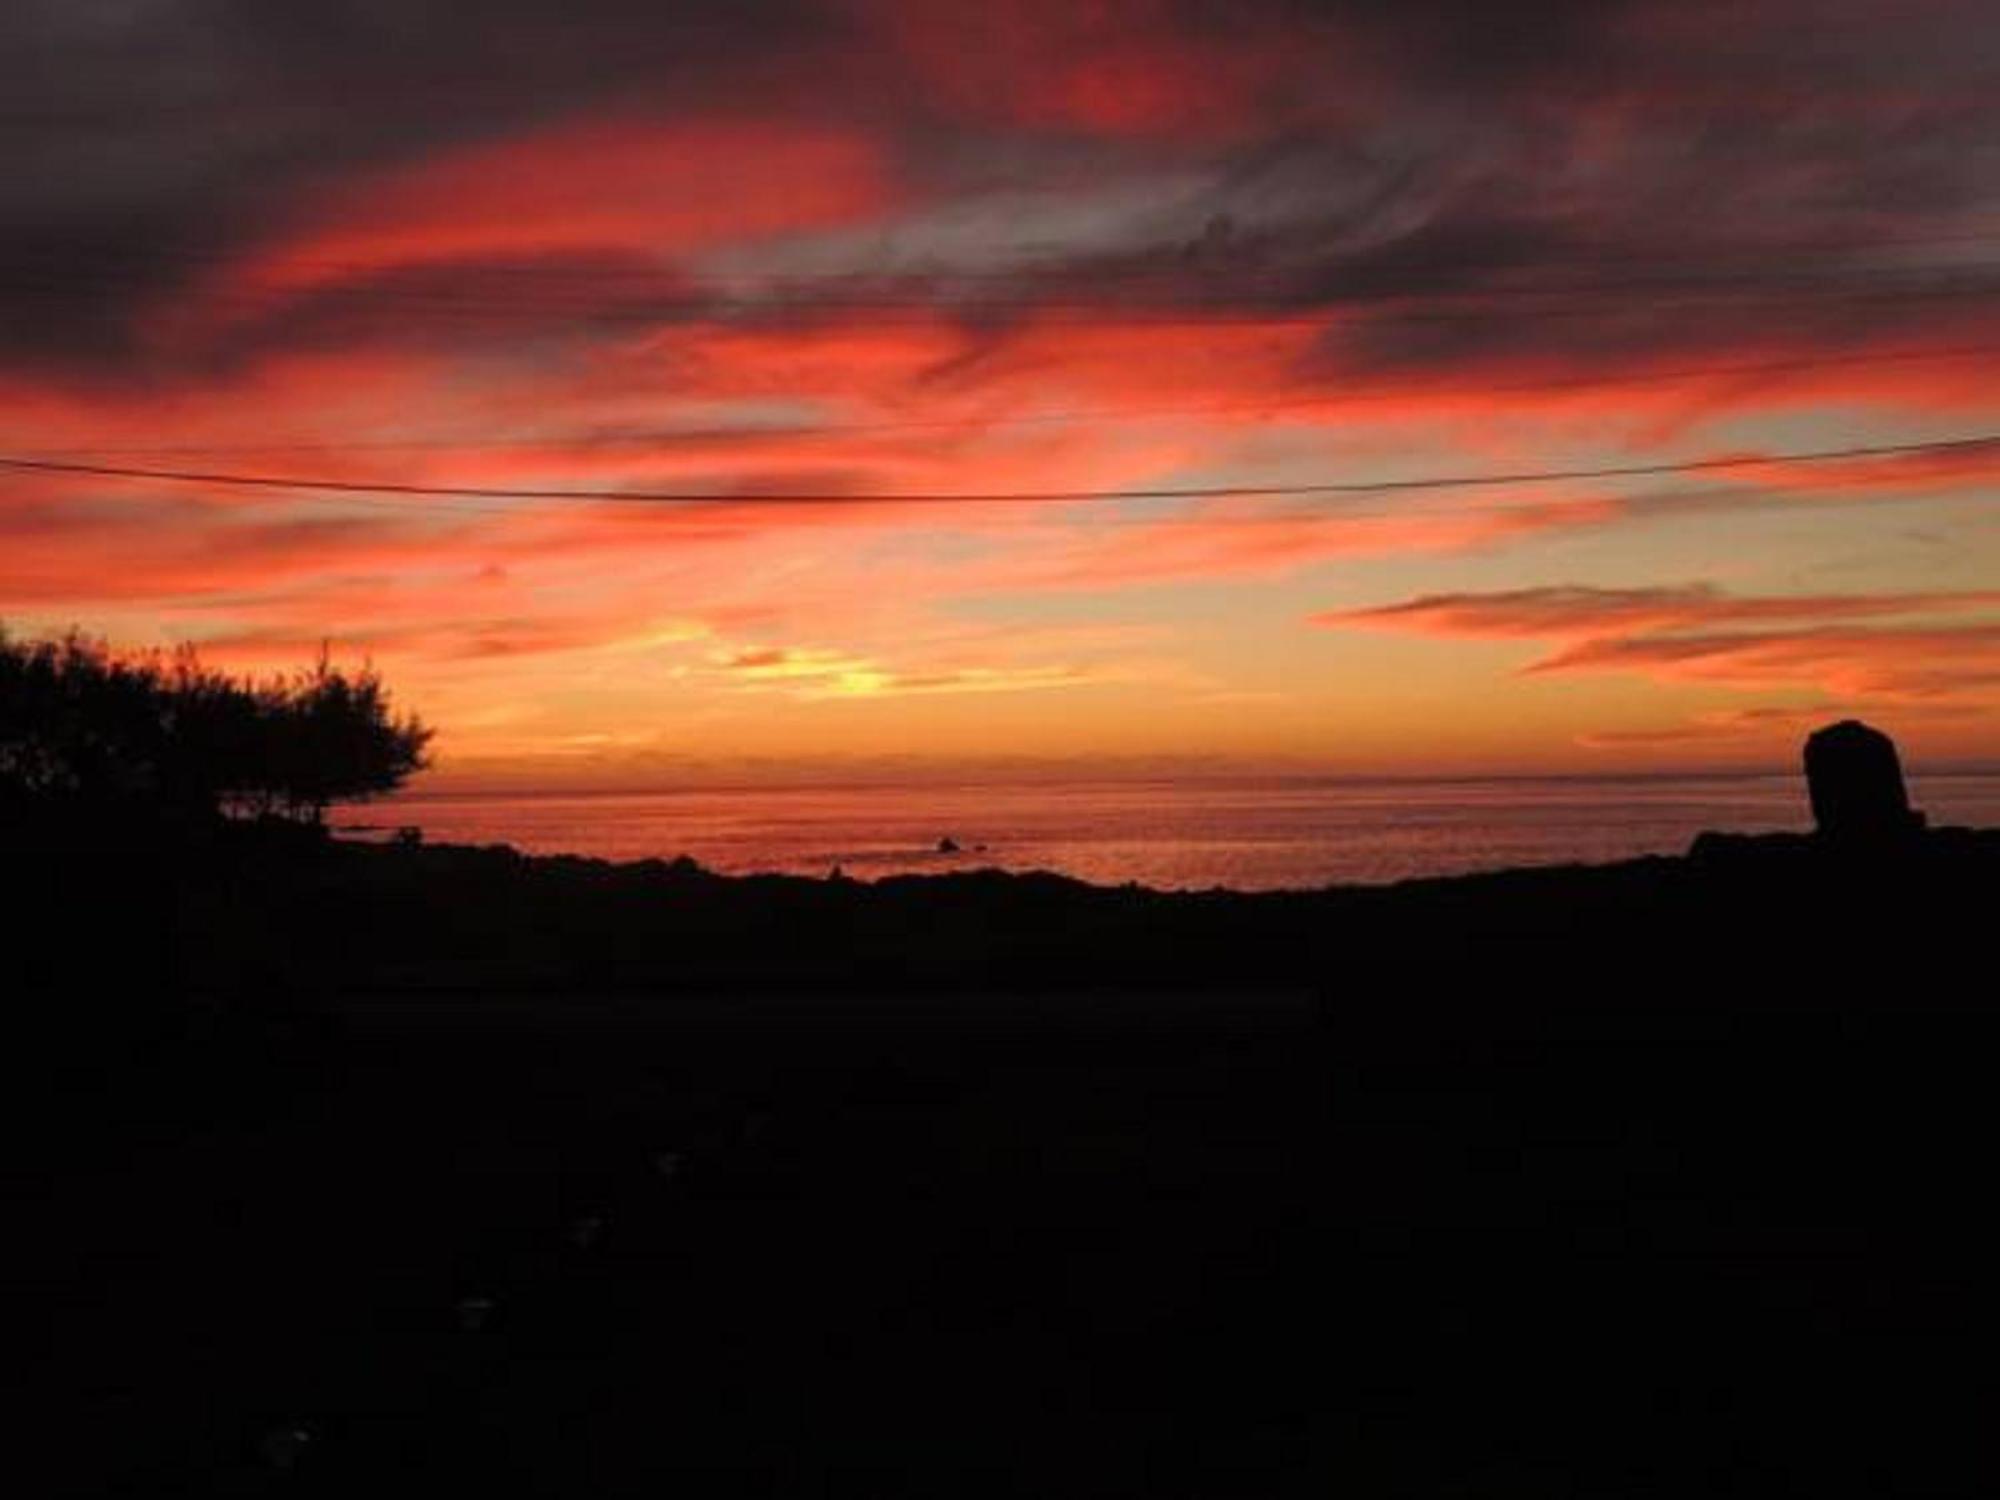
<point x="1941" y="645"/>
<point x="860" y="246"/>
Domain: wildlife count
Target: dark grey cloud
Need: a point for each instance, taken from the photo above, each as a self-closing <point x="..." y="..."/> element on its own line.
<point x="1451" y="182"/>
<point x="143" y="141"/>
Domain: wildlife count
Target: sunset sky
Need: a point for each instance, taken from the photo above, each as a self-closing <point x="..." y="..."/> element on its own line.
<point x="868" y="256"/>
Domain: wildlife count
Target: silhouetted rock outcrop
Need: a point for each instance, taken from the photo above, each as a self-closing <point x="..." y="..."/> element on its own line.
<point x="1856" y="784"/>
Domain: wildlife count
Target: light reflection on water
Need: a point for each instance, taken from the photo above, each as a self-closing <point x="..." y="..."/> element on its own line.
<point x="1188" y="833"/>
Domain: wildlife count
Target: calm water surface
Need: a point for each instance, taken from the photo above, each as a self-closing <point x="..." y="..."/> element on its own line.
<point x="1253" y="835"/>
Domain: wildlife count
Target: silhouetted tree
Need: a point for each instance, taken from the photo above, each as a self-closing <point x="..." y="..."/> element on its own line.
<point x="75" y="722"/>
<point x="82" y="726"/>
<point x="332" y="737"/>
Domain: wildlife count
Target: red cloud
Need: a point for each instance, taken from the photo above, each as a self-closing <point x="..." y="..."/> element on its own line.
<point x="1490" y="260"/>
<point x="1226" y="539"/>
<point x="1956" y="661"/>
<point x="1566" y="612"/>
<point x="1122" y="68"/>
<point x="1685" y="634"/>
<point x="549" y="231"/>
<point x="660" y="188"/>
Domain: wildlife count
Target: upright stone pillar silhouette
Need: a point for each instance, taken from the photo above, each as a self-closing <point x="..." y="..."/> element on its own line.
<point x="1856" y="784"/>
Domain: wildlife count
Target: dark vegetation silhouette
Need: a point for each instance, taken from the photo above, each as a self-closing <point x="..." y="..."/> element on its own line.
<point x="86" y="732"/>
<point x="441" y="1168"/>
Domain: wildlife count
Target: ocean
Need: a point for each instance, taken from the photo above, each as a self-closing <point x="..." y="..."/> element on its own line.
<point x="1293" y="832"/>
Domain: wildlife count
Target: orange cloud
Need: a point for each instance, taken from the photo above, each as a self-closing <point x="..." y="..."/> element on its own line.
<point x="1956" y="661"/>
<point x="810" y="672"/>
<point x="1589" y="613"/>
<point x="926" y="248"/>
<point x="1236" y="539"/>
<point x="1686" y="634"/>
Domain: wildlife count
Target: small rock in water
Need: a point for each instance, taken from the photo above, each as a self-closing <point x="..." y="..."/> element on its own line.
<point x="947" y="845"/>
<point x="474" y="1313"/>
<point x="284" y="1445"/>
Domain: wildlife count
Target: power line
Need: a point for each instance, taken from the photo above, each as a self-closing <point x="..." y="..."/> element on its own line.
<point x="1643" y="504"/>
<point x="1967" y="444"/>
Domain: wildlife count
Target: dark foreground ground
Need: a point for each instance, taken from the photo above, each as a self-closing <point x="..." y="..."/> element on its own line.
<point x="358" y="1170"/>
